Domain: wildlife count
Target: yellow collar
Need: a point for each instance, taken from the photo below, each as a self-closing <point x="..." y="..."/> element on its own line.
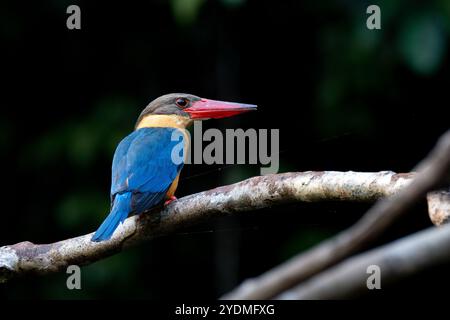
<point x="164" y="121"/>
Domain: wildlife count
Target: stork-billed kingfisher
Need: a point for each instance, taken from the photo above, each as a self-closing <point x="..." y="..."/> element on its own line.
<point x="143" y="171"/>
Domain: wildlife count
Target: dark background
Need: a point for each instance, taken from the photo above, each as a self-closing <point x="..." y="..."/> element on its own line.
<point x="344" y="98"/>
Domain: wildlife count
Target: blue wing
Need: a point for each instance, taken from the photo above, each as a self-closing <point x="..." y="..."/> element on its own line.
<point x="143" y="165"/>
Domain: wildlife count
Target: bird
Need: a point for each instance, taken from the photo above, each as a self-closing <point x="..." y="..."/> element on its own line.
<point x="144" y="173"/>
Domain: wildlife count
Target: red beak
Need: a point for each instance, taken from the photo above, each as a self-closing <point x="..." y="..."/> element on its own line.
<point x="207" y="109"/>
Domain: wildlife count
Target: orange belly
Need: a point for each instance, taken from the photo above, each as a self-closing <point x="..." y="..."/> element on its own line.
<point x="173" y="187"/>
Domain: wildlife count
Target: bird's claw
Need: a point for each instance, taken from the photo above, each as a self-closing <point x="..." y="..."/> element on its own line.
<point x="172" y="198"/>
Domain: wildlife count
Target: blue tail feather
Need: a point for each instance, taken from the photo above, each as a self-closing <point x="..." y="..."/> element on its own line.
<point x="119" y="212"/>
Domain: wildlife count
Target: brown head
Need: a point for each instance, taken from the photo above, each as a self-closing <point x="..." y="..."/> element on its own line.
<point x="180" y="109"/>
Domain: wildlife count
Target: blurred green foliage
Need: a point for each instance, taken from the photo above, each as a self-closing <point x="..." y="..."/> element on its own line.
<point x="186" y="11"/>
<point x="423" y="43"/>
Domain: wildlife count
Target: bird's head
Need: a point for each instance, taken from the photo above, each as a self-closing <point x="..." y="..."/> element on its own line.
<point x="180" y="109"/>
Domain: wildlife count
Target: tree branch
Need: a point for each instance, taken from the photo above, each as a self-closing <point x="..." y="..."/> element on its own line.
<point x="433" y="173"/>
<point x="250" y="194"/>
<point x="439" y="206"/>
<point x="396" y="260"/>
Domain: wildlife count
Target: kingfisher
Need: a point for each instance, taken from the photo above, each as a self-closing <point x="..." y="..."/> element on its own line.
<point x="145" y="172"/>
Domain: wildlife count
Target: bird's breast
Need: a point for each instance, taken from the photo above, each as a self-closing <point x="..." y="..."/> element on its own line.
<point x="173" y="187"/>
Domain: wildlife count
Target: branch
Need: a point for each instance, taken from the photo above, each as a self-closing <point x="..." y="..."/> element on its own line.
<point x="433" y="173"/>
<point x="396" y="260"/>
<point x="250" y="194"/>
<point x="439" y="206"/>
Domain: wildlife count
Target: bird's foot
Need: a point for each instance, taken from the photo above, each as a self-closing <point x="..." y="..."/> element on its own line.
<point x="172" y="198"/>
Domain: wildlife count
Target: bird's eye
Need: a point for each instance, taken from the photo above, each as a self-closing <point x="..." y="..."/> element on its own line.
<point x="182" y="102"/>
